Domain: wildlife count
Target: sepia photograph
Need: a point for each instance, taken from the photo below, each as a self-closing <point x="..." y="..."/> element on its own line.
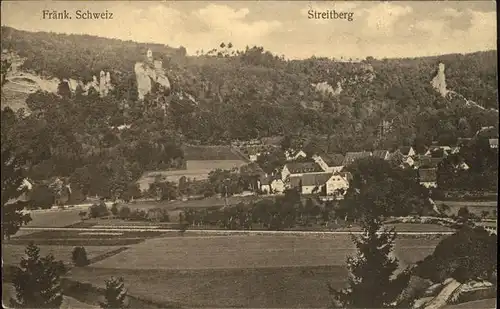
<point x="249" y="154"/>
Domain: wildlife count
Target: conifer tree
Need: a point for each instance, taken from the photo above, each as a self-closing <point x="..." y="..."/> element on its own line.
<point x="372" y="283"/>
<point x="37" y="280"/>
<point x="115" y="294"/>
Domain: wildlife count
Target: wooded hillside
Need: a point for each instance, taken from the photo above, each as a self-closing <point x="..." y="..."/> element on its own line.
<point x="226" y="94"/>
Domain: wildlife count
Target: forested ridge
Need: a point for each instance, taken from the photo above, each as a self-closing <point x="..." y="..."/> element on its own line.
<point x="226" y="94"/>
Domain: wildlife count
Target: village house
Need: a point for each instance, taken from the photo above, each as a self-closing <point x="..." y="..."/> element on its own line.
<point x="332" y="185"/>
<point x="407" y="151"/>
<point x="438" y="151"/>
<point x="330" y="162"/>
<point x="401" y="160"/>
<point x="299" y="168"/>
<point x="423" y="161"/>
<point x="403" y="156"/>
<point x="493" y="143"/>
<point x="310" y="183"/>
<point x="381" y="154"/>
<point x="271" y="185"/>
<point x="338" y="184"/>
<point x="428" y="177"/>
<point x="350" y="157"/>
<point x="292" y="155"/>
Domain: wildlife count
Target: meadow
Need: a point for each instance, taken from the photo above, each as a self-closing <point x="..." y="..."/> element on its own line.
<point x="238" y="271"/>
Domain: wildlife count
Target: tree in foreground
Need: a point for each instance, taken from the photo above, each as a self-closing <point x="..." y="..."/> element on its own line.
<point x="372" y="279"/>
<point x="114" y="294"/>
<point x="37" y="280"/>
<point x="12" y="174"/>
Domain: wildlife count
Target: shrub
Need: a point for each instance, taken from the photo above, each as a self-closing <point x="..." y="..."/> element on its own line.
<point x="82" y="214"/>
<point x="138" y="215"/>
<point x="97" y="211"/>
<point x="124" y="213"/>
<point x="79" y="256"/>
<point x="114" y="209"/>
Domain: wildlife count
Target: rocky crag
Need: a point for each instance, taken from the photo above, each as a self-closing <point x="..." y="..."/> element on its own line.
<point x="149" y="72"/>
<point x="20" y="83"/>
<point x="439" y="84"/>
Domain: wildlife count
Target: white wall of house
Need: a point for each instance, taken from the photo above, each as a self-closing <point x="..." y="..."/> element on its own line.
<point x="429" y="184"/>
<point x="336" y="182"/>
<point x="411" y="152"/>
<point x="277" y="186"/>
<point x="285" y="173"/>
<point x="409" y="160"/>
<point x="253" y="157"/>
<point x="310" y="189"/>
<point x="265" y="188"/>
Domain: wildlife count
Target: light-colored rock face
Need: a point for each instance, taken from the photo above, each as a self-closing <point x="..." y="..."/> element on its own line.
<point x="148" y="73"/>
<point x="439" y="81"/>
<point x="325" y="89"/>
<point x="143" y="80"/>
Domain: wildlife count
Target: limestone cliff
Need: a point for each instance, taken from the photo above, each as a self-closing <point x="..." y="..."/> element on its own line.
<point x="20" y="83"/>
<point x="148" y="72"/>
<point x="439" y="81"/>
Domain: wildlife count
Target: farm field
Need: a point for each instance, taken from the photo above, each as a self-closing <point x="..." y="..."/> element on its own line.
<point x="295" y="287"/>
<point x="87" y="238"/>
<point x="52" y="218"/>
<point x="234" y="271"/>
<point x="474" y="207"/>
<point x="12" y="254"/>
<point x="221" y="252"/>
<point x="194" y="152"/>
<point x="195" y="169"/>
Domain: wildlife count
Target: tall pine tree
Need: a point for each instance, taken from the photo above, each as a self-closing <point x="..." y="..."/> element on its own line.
<point x="114" y="294"/>
<point x="372" y="279"/>
<point x="37" y="281"/>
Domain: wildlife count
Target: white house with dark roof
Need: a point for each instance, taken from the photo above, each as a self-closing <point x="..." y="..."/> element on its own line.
<point x="299" y="168"/>
<point x="271" y="185"/>
<point x="311" y="183"/>
<point x="324" y="183"/>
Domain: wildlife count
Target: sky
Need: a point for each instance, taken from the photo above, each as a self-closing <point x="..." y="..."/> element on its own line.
<point x="378" y="29"/>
